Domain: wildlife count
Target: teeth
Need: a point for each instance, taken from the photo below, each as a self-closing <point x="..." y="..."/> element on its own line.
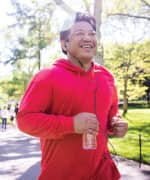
<point x="86" y="46"/>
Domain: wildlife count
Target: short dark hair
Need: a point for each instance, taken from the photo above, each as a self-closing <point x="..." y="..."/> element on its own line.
<point x="79" y="17"/>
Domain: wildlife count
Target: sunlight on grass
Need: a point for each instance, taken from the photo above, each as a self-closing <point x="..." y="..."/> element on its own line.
<point x="139" y="123"/>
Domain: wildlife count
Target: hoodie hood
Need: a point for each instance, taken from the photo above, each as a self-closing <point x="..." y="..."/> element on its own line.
<point x="68" y="65"/>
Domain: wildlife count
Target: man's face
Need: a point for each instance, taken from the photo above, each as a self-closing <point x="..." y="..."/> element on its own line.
<point x="81" y="44"/>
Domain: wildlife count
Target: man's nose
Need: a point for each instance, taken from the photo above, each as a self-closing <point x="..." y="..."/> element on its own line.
<point x="86" y="36"/>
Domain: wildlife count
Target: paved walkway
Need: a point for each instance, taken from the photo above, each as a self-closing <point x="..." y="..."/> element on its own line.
<point x="20" y="159"/>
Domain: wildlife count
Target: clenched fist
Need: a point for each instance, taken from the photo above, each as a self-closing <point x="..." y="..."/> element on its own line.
<point x="119" y="126"/>
<point x="86" y="122"/>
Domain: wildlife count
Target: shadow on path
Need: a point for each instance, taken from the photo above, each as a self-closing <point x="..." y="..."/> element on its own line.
<point x="32" y="173"/>
<point x="19" y="156"/>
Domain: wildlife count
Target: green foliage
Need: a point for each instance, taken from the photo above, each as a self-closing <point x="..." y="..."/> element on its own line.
<point x="135" y="8"/>
<point x="33" y="24"/>
<point x="127" y="6"/>
<point x="139" y="124"/>
<point x="130" y="62"/>
<point x="12" y="88"/>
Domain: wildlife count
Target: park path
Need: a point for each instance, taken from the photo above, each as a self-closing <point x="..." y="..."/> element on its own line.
<point x="20" y="159"/>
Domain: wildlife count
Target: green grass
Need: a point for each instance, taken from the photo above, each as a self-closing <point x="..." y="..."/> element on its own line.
<point x="139" y="123"/>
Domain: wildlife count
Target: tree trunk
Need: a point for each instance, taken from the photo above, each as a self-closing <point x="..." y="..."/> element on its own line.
<point x="148" y="96"/>
<point x="125" y="96"/>
<point x="39" y="45"/>
<point x="98" y="16"/>
<point x="39" y="59"/>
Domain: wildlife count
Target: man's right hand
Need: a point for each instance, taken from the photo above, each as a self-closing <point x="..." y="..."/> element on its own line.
<point x="86" y="122"/>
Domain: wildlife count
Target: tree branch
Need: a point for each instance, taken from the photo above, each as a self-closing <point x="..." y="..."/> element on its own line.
<point x="64" y="6"/>
<point x="130" y="15"/>
<point x="87" y="6"/>
<point x="146" y="3"/>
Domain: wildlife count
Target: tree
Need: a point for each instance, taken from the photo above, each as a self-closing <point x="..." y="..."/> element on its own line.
<point x="147" y="84"/>
<point x="129" y="64"/>
<point x="34" y="21"/>
<point x="132" y="16"/>
<point x="142" y="6"/>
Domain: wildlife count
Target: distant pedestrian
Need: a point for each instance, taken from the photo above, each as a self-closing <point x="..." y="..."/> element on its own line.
<point x="16" y="108"/>
<point x="14" y="111"/>
<point x="12" y="114"/>
<point x="4" y="117"/>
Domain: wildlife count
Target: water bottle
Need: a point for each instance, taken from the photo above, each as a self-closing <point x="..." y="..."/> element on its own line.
<point x="89" y="140"/>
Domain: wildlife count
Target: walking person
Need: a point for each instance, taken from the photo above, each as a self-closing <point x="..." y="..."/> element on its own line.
<point x="16" y="108"/>
<point x="73" y="100"/>
<point x="4" y="117"/>
<point x="14" y="113"/>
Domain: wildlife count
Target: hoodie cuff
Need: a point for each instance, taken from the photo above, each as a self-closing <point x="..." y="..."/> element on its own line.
<point x="69" y="125"/>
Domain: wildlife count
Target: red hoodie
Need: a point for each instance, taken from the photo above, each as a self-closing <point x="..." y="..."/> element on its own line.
<point x="53" y="97"/>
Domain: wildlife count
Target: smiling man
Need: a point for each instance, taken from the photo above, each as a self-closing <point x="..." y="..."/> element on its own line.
<point x="74" y="97"/>
<point x="79" y="42"/>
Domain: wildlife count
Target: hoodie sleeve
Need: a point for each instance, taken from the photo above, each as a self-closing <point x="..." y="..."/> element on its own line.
<point x="114" y="102"/>
<point x="32" y="117"/>
<point x="114" y="108"/>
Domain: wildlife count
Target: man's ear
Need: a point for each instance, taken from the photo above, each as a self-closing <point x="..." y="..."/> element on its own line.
<point x="64" y="45"/>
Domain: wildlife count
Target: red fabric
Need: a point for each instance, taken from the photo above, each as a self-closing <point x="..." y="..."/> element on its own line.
<point x="53" y="97"/>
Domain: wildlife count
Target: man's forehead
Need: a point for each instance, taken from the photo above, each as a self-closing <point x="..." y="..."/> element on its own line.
<point x="81" y="25"/>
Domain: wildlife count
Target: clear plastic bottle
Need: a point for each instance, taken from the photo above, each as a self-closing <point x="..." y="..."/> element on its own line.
<point x="89" y="141"/>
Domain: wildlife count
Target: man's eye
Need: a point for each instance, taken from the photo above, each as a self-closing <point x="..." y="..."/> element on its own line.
<point x="79" y="34"/>
<point x="92" y="33"/>
<point x="82" y="34"/>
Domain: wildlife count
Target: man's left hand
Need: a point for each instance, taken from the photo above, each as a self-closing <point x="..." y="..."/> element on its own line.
<point x="119" y="126"/>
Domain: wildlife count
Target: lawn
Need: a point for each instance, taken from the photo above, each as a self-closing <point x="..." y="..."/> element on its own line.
<point x="139" y="125"/>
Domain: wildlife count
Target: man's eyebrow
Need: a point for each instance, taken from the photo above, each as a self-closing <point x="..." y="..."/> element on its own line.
<point x="91" y="30"/>
<point x="78" y="30"/>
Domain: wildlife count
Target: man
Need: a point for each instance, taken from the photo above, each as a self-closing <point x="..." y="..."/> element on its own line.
<point x="72" y="97"/>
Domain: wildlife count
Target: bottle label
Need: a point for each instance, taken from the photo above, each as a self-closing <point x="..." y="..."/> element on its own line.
<point x="89" y="141"/>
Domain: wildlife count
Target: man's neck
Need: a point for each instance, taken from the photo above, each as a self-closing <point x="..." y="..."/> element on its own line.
<point x="85" y="66"/>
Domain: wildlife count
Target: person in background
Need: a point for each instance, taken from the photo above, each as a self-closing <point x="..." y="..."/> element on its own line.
<point x="11" y="113"/>
<point x="73" y="97"/>
<point x="4" y="117"/>
<point x="16" y="109"/>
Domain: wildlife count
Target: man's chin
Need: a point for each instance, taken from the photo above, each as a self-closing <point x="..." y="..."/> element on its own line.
<point x="86" y="59"/>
